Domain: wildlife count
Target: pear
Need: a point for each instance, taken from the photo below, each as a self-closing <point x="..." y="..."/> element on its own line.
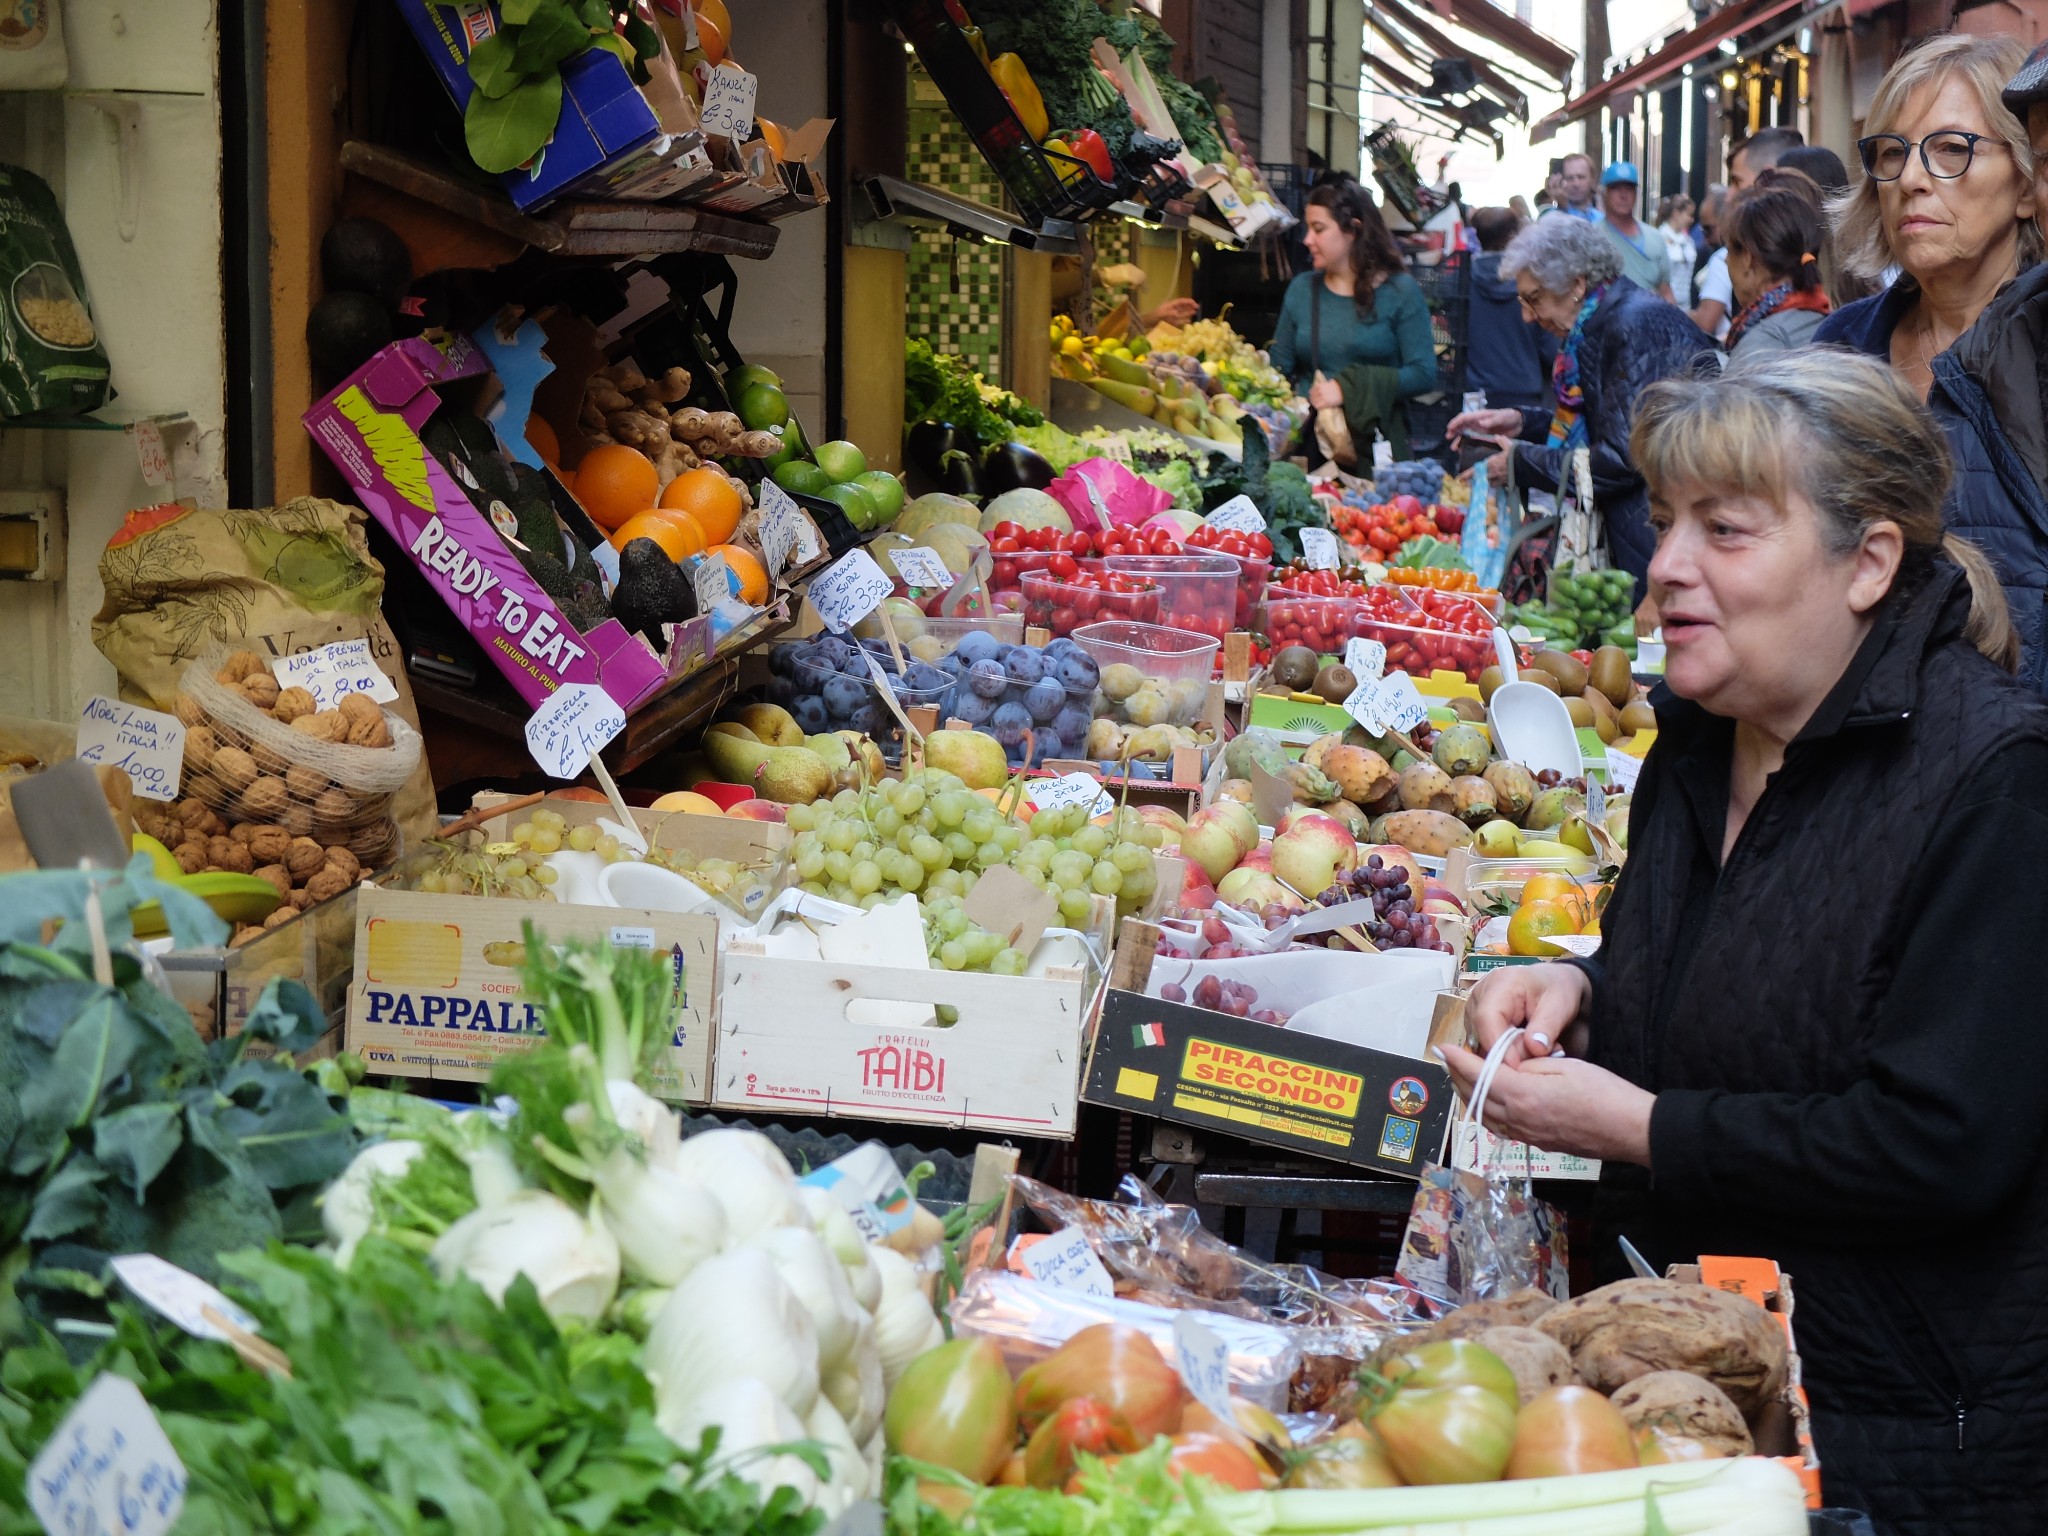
<point x="1497" y="840"/>
<point x="772" y="724"/>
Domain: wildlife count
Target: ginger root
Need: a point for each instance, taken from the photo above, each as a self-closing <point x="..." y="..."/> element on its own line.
<point x="670" y="387"/>
<point x="757" y="445"/>
<point x="639" y="430"/>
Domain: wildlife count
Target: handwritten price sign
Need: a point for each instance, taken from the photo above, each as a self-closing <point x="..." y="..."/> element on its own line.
<point x="782" y="527"/>
<point x="1072" y="789"/>
<point x="1065" y="1262"/>
<point x="1365" y="659"/>
<point x="332" y="672"/>
<point x="921" y="567"/>
<point x="147" y="746"/>
<point x="1239" y="514"/>
<point x="1204" y="1366"/>
<point x="1319" y="549"/>
<point x="108" y="1468"/>
<point x="574" y="725"/>
<point x="847" y="592"/>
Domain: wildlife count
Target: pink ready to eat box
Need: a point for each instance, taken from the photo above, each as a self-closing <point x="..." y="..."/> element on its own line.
<point x="370" y="428"/>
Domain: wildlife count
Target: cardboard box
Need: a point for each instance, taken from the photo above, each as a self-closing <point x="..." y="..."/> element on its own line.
<point x="1784" y="1430"/>
<point x="608" y="142"/>
<point x="436" y="990"/>
<point x="369" y="426"/>
<point x="1174" y="1061"/>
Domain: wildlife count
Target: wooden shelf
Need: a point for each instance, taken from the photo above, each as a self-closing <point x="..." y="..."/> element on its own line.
<point x="568" y="228"/>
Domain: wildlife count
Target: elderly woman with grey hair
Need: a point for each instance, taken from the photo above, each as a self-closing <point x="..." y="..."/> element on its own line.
<point x="1616" y="340"/>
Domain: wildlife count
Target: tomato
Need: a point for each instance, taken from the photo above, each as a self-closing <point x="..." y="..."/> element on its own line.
<point x="1005" y="544"/>
<point x="1656" y="1448"/>
<point x="1011" y="1474"/>
<point x="1569" y="1430"/>
<point x="1344" y="1461"/>
<point x="1064" y="566"/>
<point x="1261" y="546"/>
<point x="1077" y="543"/>
<point x="1460" y="1434"/>
<point x="1007" y="530"/>
<point x="953" y="1407"/>
<point x="1117" y="1366"/>
<point x="1212" y="1456"/>
<point x="1079" y="1424"/>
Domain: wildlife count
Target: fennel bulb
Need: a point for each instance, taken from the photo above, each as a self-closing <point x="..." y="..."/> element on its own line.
<point x="905" y="1325"/>
<point x="658" y="1128"/>
<point x="732" y="1316"/>
<point x="749" y="1177"/>
<point x="346" y="1213"/>
<point x="836" y="1227"/>
<point x="666" y="1224"/>
<point x="573" y="1263"/>
<point x="850" y="1479"/>
<point x="803" y="1260"/>
<point x="856" y="1386"/>
<point x="749" y="1417"/>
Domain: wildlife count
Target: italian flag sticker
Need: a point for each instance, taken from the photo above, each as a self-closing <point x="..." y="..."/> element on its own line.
<point x="1148" y="1034"/>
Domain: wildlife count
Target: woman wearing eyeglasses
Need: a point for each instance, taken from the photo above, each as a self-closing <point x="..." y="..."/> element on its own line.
<point x="1946" y="196"/>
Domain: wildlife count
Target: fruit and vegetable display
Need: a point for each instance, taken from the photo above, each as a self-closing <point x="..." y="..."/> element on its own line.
<point x="1584" y="607"/>
<point x="1175" y="390"/>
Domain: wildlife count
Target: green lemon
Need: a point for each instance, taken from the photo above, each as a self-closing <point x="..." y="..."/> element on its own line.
<point x="800" y="477"/>
<point x="762" y="407"/>
<point x="885" y="490"/>
<point x="842" y="460"/>
<point x="747" y="375"/>
<point x="858" y="506"/>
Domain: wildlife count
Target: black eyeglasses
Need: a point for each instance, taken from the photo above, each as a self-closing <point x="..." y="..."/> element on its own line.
<point x="1946" y="155"/>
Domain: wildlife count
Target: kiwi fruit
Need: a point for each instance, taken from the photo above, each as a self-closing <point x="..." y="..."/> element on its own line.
<point x="1489" y="680"/>
<point x="1543" y="677"/>
<point x="1569" y="671"/>
<point x="1606" y="719"/>
<point x="1637" y="716"/>
<point x="1580" y="711"/>
<point x="1610" y="674"/>
<point x="1293" y="667"/>
<point x="1335" y="684"/>
<point x="1466" y="708"/>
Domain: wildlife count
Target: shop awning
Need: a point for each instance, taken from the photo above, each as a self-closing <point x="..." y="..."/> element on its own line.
<point x="1685" y="48"/>
<point x="1519" y="38"/>
<point x="1381" y="12"/>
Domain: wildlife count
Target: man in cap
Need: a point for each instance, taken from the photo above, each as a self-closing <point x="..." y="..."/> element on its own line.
<point x="1643" y="258"/>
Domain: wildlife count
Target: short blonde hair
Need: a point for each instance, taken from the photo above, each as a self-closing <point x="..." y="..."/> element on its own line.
<point x="1987" y="63"/>
<point x="1839" y="430"/>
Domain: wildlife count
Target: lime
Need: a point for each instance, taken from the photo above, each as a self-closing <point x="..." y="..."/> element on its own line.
<point x="885" y="490"/>
<point x="842" y="460"/>
<point x="762" y="407"/>
<point x="800" y="477"/>
<point x="747" y="375"/>
<point x="858" y="506"/>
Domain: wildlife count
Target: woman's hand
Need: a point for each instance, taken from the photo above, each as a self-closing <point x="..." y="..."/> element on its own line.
<point x="1172" y="312"/>
<point x="1326" y="393"/>
<point x="1494" y="422"/>
<point x="1559" y="1105"/>
<point x="1544" y="1000"/>
<point x="1496" y="464"/>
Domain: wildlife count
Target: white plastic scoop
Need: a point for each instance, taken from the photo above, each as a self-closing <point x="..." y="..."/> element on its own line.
<point x="1534" y="729"/>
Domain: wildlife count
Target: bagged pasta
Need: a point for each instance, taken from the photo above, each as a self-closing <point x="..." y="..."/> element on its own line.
<point x="51" y="360"/>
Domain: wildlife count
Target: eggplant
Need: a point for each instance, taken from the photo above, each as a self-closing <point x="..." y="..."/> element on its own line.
<point x="946" y="455"/>
<point x="958" y="475"/>
<point x="1011" y="466"/>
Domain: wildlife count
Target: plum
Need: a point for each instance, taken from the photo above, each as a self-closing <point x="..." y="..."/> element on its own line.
<point x="988" y="679"/>
<point x="843" y="695"/>
<point x="870" y="720"/>
<point x="810" y="714"/>
<point x="1044" y="699"/>
<point x="1024" y="666"/>
<point x="925" y="678"/>
<point x="831" y="651"/>
<point x="970" y="706"/>
<point x="1079" y="672"/>
<point x="1072" y="723"/>
<point x="977" y="645"/>
<point x="1009" y="723"/>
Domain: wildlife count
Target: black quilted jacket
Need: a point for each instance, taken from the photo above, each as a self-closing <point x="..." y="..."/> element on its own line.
<point x="1844" y="1029"/>
<point x="1632" y="340"/>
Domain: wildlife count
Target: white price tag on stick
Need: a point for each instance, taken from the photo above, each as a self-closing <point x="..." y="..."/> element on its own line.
<point x="331" y="672"/>
<point x="1365" y="660"/>
<point x="921" y="567"/>
<point x="1071" y="789"/>
<point x="179" y="1295"/>
<point x="1320" y="549"/>
<point x="728" y="111"/>
<point x="1240" y="513"/>
<point x="849" y="590"/>
<point x="1623" y="769"/>
<point x="781" y="527"/>
<point x="712" y="580"/>
<point x="1204" y="1366"/>
<point x="1401" y="704"/>
<point x="575" y="724"/>
<point x="1065" y="1262"/>
<point x="145" y="744"/>
<point x="108" y="1468"/>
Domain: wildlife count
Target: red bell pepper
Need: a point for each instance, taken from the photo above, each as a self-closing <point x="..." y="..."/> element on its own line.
<point x="1088" y="146"/>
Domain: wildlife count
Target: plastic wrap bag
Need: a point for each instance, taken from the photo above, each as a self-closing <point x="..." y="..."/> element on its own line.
<point x="1096" y="489"/>
<point x="1028" y="1321"/>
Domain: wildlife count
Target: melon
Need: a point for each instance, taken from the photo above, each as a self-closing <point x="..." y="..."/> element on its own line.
<point x="937" y="508"/>
<point x="1027" y="509"/>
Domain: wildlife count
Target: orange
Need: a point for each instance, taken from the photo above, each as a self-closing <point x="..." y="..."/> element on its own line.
<point x="613" y="482"/>
<point x="746" y="565"/>
<point x="713" y="11"/>
<point x="711" y="38"/>
<point x="1533" y="922"/>
<point x="1560" y="889"/>
<point x="678" y="536"/>
<point x="541" y="438"/>
<point x="708" y="497"/>
<point x="771" y="135"/>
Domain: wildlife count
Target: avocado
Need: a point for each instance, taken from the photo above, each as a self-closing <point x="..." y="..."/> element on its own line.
<point x="364" y="256"/>
<point x="652" y="590"/>
<point x="344" y="331"/>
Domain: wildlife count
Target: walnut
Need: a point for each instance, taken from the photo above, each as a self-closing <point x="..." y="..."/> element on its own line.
<point x="305" y="783"/>
<point x="297" y="820"/>
<point x="300" y="900"/>
<point x="260" y="689"/>
<point x="335" y="809"/>
<point x="224" y="853"/>
<point x="213" y="826"/>
<point x="241" y="664"/>
<point x="190" y="711"/>
<point x="191" y="856"/>
<point x="242" y="831"/>
<point x="268" y="845"/>
<point x="327" y="725"/>
<point x="327" y="885"/>
<point x="200" y="745"/>
<point x="235" y="769"/>
<point x="277" y="875"/>
<point x="191" y="810"/>
<point x="357" y="707"/>
<point x="244" y="936"/>
<point x="292" y="703"/>
<point x="264" y="800"/>
<point x="370" y="733"/>
<point x="304" y="858"/>
<point x="374" y="843"/>
<point x="341" y="859"/>
<point x="270" y="760"/>
<point x="285" y="913"/>
<point x="156" y="820"/>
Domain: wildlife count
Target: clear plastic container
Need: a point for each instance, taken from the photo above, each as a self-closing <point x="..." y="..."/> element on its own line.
<point x="1198" y="592"/>
<point x="1253" y="574"/>
<point x="1457" y="637"/>
<point x="1062" y="607"/>
<point x="828" y="698"/>
<point x="1162" y="674"/>
<point x="1320" y="622"/>
<point x="929" y="639"/>
<point x="1037" y="709"/>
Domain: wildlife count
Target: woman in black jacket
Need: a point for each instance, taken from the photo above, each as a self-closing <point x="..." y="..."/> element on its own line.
<point x="1616" y="340"/>
<point x="1812" y="1032"/>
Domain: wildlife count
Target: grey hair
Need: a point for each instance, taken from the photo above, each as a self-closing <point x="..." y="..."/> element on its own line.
<point x="1559" y="249"/>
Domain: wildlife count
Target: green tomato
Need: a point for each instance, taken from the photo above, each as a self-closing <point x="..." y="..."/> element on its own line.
<point x="1454" y="1363"/>
<point x="1461" y="1434"/>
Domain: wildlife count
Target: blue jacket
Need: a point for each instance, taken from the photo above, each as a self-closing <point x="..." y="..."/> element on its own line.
<point x="1505" y="355"/>
<point x="1633" y="340"/>
<point x="1989" y="399"/>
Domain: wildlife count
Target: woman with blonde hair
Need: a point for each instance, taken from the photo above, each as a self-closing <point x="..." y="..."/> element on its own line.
<point x="1806" y="1034"/>
<point x="1946" y="195"/>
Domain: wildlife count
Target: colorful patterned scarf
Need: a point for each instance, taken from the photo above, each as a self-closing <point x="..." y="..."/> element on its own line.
<point x="1769" y="302"/>
<point x="1568" y="426"/>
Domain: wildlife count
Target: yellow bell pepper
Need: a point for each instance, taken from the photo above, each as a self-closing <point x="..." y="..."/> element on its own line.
<point x="1017" y="84"/>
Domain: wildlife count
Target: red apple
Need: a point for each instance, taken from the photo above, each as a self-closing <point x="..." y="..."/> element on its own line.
<point x="1312" y="853"/>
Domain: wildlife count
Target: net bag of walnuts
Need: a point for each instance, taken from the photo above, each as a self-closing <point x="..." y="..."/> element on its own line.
<point x="268" y="765"/>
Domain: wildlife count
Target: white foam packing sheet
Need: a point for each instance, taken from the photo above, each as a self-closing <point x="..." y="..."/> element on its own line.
<point x="1383" y="1002"/>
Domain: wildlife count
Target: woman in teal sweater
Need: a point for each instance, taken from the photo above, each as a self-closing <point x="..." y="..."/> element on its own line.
<point x="1373" y="316"/>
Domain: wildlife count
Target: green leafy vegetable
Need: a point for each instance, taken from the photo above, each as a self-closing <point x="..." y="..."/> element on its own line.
<point x="940" y="387"/>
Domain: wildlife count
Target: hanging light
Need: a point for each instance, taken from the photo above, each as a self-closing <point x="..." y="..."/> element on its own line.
<point x="1729" y="80"/>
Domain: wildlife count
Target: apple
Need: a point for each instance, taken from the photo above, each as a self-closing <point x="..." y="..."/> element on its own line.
<point x="1161" y="816"/>
<point x="1243" y="824"/>
<point x="1252" y="889"/>
<point x="687" y="800"/>
<point x="1406" y="505"/>
<point x="1298" y="813"/>
<point x="1312" y="853"/>
<point x="1260" y="859"/>
<point x="1212" y="842"/>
